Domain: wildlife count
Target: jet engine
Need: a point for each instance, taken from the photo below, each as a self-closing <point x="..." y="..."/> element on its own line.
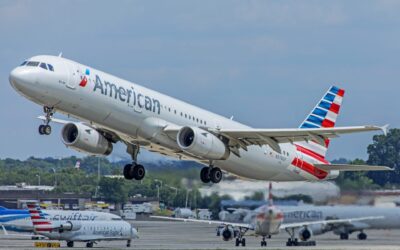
<point x="227" y="233"/>
<point x="85" y="139"/>
<point x="69" y="226"/>
<point x="305" y="233"/>
<point x="202" y="143"/>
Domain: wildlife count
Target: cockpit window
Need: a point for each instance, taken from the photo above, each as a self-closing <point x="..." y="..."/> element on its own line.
<point x="43" y="65"/>
<point x="50" y="67"/>
<point x="22" y="64"/>
<point x="33" y="64"/>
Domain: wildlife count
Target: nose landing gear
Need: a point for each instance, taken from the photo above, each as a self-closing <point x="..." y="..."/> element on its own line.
<point x="46" y="128"/>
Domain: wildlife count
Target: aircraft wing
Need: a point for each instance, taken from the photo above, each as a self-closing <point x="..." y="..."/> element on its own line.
<point x="349" y="167"/>
<point x="242" y="225"/>
<point x="271" y="137"/>
<point x="328" y="222"/>
<point x="17" y="236"/>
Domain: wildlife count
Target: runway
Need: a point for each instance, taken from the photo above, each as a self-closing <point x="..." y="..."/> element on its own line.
<point x="181" y="235"/>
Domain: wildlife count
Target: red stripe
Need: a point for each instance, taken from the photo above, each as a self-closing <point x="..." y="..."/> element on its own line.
<point x="312" y="154"/>
<point x="334" y="108"/>
<point x="340" y="92"/>
<point x="327" y="123"/>
<point x="35" y="217"/>
<point x="33" y="211"/>
<point x="311" y="169"/>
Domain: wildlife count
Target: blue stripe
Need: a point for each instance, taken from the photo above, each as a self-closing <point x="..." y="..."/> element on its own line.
<point x="334" y="90"/>
<point x="308" y="125"/>
<point x="325" y="105"/>
<point x="314" y="119"/>
<point x="329" y="97"/>
<point x="319" y="112"/>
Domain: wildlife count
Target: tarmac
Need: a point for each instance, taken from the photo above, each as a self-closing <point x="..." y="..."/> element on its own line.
<point x="186" y="235"/>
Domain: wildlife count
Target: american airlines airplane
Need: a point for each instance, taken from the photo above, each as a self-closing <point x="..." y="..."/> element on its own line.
<point x="269" y="220"/>
<point x="115" y="110"/>
<point x="19" y="219"/>
<point x="85" y="230"/>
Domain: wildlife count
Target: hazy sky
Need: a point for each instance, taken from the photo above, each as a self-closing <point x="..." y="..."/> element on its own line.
<point x="265" y="62"/>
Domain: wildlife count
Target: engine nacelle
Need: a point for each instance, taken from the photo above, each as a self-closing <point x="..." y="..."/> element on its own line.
<point x="202" y="143"/>
<point x="227" y="233"/>
<point x="305" y="234"/>
<point x="69" y="226"/>
<point x="85" y="139"/>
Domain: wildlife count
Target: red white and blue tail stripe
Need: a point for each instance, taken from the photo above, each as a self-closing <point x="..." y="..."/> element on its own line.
<point x="324" y="115"/>
<point x="39" y="220"/>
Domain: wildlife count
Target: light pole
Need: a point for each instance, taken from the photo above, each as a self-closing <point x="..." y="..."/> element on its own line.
<point x="55" y="177"/>
<point x="38" y="176"/>
<point x="158" y="188"/>
<point x="187" y="196"/>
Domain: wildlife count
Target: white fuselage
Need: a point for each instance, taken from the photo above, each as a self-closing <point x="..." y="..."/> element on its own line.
<point x="136" y="114"/>
<point x="95" y="231"/>
<point x="23" y="222"/>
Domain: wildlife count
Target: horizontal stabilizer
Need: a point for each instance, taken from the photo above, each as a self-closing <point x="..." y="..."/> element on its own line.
<point x="349" y="167"/>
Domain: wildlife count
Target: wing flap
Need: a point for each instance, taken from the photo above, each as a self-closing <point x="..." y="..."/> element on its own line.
<point x="349" y="167"/>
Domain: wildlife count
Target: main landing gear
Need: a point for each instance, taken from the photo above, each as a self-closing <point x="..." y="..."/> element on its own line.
<point x="362" y="236"/>
<point x="70" y="244"/>
<point x="293" y="241"/>
<point x="128" y="243"/>
<point x="263" y="242"/>
<point x="46" y="128"/>
<point x="89" y="244"/>
<point x="211" y="173"/>
<point x="240" y="240"/>
<point x="134" y="170"/>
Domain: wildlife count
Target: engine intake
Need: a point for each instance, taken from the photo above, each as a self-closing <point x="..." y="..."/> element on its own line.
<point x="85" y="139"/>
<point x="305" y="234"/>
<point x="202" y="143"/>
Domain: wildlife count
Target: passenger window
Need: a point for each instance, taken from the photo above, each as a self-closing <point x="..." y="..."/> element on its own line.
<point x="185" y="116"/>
<point x="50" y="67"/>
<point x="43" y="65"/>
<point x="32" y="64"/>
<point x="22" y="64"/>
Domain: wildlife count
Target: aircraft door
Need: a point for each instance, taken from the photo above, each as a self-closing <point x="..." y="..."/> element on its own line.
<point x="74" y="76"/>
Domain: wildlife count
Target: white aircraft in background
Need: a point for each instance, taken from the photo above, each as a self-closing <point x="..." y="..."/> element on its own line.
<point x="113" y="109"/>
<point x="268" y="221"/>
<point x="19" y="220"/>
<point x="86" y="231"/>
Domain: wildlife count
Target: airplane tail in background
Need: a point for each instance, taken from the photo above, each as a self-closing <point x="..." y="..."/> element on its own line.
<point x="324" y="115"/>
<point x="39" y="220"/>
<point x="270" y="199"/>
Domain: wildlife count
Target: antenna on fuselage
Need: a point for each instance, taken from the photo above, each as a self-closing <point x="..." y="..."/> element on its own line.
<point x="60" y="55"/>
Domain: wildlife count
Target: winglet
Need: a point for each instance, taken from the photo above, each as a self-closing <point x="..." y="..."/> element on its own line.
<point x="60" y="55"/>
<point x="385" y="129"/>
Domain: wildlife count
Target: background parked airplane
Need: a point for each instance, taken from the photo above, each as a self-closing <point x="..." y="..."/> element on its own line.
<point x="117" y="110"/>
<point x="19" y="219"/>
<point x="267" y="221"/>
<point x="84" y="230"/>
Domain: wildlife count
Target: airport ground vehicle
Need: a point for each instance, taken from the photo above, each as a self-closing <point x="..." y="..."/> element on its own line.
<point x="115" y="110"/>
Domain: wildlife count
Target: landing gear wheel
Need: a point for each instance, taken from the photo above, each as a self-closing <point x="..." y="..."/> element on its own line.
<point x="263" y="242"/>
<point x="205" y="175"/>
<point x="89" y="244"/>
<point x="362" y="236"/>
<point x="128" y="172"/>
<point x="243" y="242"/>
<point x="70" y="244"/>
<point x="138" y="172"/>
<point x="47" y="129"/>
<point x="128" y="243"/>
<point x="237" y="243"/>
<point x="344" y="236"/>
<point x="41" y="129"/>
<point x="215" y="175"/>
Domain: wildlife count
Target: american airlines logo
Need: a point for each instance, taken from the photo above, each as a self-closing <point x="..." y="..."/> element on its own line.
<point x="127" y="95"/>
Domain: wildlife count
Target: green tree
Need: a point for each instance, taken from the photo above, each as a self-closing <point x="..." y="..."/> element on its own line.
<point x="385" y="150"/>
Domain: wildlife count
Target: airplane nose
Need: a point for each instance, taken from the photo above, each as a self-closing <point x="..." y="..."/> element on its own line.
<point x="21" y="77"/>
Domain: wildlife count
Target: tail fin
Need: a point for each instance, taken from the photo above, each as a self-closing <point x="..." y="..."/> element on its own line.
<point x="323" y="115"/>
<point x="270" y="199"/>
<point x="39" y="220"/>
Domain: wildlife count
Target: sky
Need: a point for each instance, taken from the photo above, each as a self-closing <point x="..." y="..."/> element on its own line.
<point x="267" y="63"/>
